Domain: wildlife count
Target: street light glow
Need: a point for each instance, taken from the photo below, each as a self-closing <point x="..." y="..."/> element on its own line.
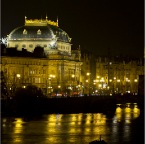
<point x="18" y="75"/>
<point x="88" y="74"/>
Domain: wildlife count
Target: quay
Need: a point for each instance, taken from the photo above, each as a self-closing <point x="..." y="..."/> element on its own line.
<point x="86" y="104"/>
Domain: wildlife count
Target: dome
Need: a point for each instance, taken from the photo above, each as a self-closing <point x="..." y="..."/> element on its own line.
<point x="39" y="31"/>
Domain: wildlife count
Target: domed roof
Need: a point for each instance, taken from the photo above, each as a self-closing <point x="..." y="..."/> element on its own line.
<point x="39" y="31"/>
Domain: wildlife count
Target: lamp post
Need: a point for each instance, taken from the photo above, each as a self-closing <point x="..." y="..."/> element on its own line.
<point x="114" y="85"/>
<point x="49" y="87"/>
<point x="88" y="81"/>
<point x="135" y="82"/>
<point x="118" y="88"/>
<point x="73" y="86"/>
<point x="127" y="85"/>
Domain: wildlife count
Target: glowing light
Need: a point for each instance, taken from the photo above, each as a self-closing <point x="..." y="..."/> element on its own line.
<point x="135" y="80"/>
<point x="118" y="110"/>
<point x="88" y="74"/>
<point x="18" y="75"/>
<point x="127" y="110"/>
<point x="118" y="80"/>
<point x="73" y="76"/>
<point x="24" y="86"/>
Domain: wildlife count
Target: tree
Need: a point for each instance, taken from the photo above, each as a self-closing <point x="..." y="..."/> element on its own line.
<point x="28" y="100"/>
<point x="4" y="89"/>
<point x="39" y="52"/>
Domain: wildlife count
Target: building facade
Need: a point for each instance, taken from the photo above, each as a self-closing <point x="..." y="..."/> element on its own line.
<point x="58" y="71"/>
<point x="118" y="75"/>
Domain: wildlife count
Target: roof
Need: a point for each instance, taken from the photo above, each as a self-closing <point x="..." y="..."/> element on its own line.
<point x="39" y="32"/>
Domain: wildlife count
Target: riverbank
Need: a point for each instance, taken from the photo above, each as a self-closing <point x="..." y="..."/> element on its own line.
<point x="88" y="104"/>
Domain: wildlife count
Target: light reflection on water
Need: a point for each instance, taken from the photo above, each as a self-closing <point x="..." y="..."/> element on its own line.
<point x="71" y="128"/>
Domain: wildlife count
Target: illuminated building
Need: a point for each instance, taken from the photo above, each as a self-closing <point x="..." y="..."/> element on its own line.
<point x="120" y="75"/>
<point x="50" y="71"/>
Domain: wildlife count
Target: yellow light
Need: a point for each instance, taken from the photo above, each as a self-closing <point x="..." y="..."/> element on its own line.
<point x="135" y="80"/>
<point x="118" y="80"/>
<point x="73" y="76"/>
<point x="88" y="74"/>
<point x="114" y="78"/>
<point x="118" y="110"/>
<point x="127" y="110"/>
<point x="110" y="80"/>
<point x="18" y="75"/>
<point x="98" y="76"/>
<point x="24" y="86"/>
<point x="100" y="85"/>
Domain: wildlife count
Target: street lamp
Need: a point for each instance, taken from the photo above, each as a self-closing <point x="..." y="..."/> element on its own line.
<point x="135" y="81"/>
<point x="51" y="76"/>
<point x="118" y="81"/>
<point x="127" y="85"/>
<point x="18" y="75"/>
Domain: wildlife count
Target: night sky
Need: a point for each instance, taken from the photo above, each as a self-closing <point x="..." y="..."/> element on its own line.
<point x="95" y="25"/>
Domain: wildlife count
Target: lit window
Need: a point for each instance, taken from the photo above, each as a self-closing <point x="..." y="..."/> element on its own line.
<point x="24" y="31"/>
<point x="39" y="32"/>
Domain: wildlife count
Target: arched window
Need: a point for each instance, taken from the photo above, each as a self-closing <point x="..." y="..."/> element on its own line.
<point x="23" y="45"/>
<point x="39" y="32"/>
<point x="24" y="31"/>
<point x="30" y="45"/>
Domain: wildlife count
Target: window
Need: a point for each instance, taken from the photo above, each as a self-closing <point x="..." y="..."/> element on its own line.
<point x="23" y="45"/>
<point x="16" y="45"/>
<point x="37" y="80"/>
<point x="31" y="71"/>
<point x="24" y="31"/>
<point x="39" y="32"/>
<point x="30" y="45"/>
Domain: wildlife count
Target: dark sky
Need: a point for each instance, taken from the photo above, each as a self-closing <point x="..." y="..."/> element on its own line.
<point x="96" y="25"/>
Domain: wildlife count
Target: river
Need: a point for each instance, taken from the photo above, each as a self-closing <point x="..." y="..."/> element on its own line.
<point x="125" y="127"/>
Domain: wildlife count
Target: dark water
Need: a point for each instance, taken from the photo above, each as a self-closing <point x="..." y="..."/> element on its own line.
<point x="125" y="127"/>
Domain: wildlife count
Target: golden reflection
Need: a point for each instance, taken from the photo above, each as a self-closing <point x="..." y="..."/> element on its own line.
<point x="100" y="130"/>
<point x="18" y="129"/>
<point x="136" y="112"/>
<point x="17" y="140"/>
<point x="127" y="110"/>
<point x="118" y="110"/>
<point x="127" y="115"/>
<point x="119" y="116"/>
<point x="18" y="124"/>
<point x="73" y="117"/>
<point x="87" y="130"/>
<point x="127" y="121"/>
<point x="72" y="130"/>
<point x="128" y="104"/>
<point x="87" y="122"/>
<point x="52" y="118"/>
<point x="51" y="124"/>
<point x="72" y="123"/>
